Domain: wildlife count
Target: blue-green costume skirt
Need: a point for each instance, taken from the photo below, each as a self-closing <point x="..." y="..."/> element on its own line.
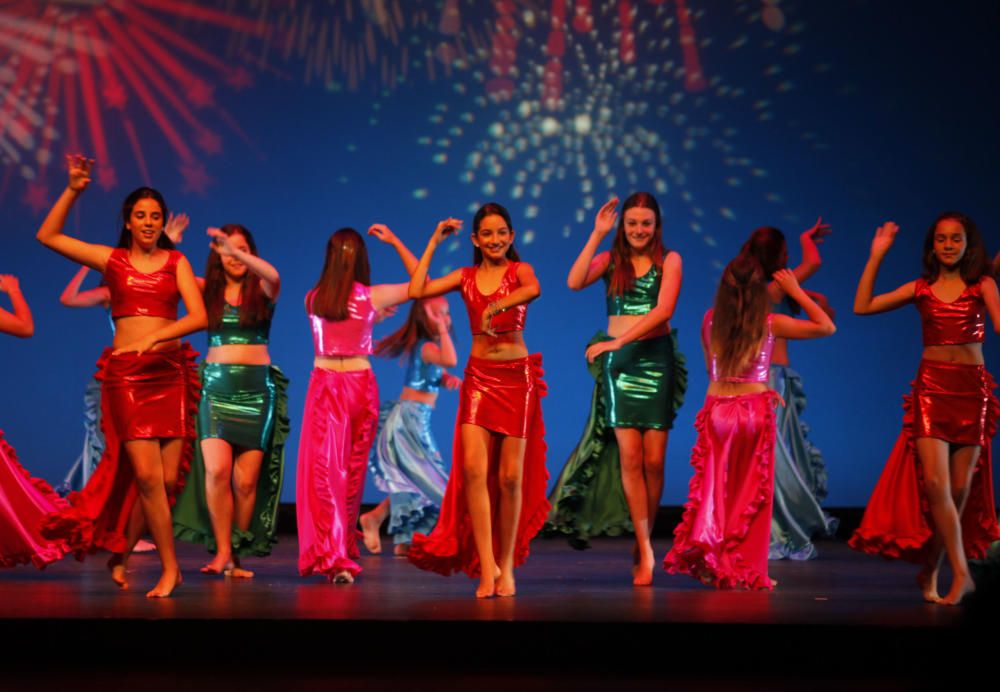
<point x="247" y="406"/>
<point x="646" y="381"/>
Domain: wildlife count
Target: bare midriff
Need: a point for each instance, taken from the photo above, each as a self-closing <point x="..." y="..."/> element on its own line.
<point x="239" y="354"/>
<point x="619" y="324"/>
<point x="504" y="346"/>
<point x="965" y="354"/>
<point x="409" y="394"/>
<point x="779" y="356"/>
<point x="128" y="330"/>
<point x="735" y="388"/>
<point x="342" y="363"/>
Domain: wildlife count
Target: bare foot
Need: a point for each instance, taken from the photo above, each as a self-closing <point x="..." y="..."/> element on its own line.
<point x="218" y="565"/>
<point x="343" y="577"/>
<point x="401" y="549"/>
<point x="635" y="557"/>
<point x="505" y="585"/>
<point x="487" y="583"/>
<point x="169" y="580"/>
<point x="642" y="573"/>
<point x="116" y="565"/>
<point x="144" y="546"/>
<point x="237" y="572"/>
<point x="961" y="586"/>
<point x="370" y="528"/>
<point x="927" y="579"/>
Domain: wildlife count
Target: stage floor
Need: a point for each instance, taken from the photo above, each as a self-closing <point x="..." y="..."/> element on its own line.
<point x="844" y="616"/>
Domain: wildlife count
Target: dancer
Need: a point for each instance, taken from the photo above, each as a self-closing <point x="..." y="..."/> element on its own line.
<point x="230" y="503"/>
<point x="93" y="440"/>
<point x="149" y="386"/>
<point x="799" y="472"/>
<point x="405" y="461"/>
<point x="642" y="383"/>
<point x="723" y="537"/>
<point x="24" y="500"/>
<point x="935" y="496"/>
<point x="498" y="473"/>
<point x="341" y="410"/>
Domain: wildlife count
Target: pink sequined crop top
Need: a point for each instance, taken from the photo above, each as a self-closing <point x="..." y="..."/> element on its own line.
<point x="511" y="320"/>
<point x="135" y="293"/>
<point x="348" y="337"/>
<point x="756" y="371"/>
<point x="962" y="321"/>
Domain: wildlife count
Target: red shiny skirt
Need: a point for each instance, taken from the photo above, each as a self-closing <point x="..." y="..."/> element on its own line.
<point x="505" y="398"/>
<point x="149" y="396"/>
<point x="949" y="401"/>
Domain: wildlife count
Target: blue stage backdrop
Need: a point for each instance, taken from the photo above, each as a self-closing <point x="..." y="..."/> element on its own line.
<point x="297" y="118"/>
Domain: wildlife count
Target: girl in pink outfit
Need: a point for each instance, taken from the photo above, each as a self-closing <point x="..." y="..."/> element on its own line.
<point x="724" y="536"/>
<point x="341" y="412"/>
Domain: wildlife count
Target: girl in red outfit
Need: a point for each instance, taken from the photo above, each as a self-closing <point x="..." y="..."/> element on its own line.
<point x="942" y="456"/>
<point x="149" y="385"/>
<point x="498" y="473"/>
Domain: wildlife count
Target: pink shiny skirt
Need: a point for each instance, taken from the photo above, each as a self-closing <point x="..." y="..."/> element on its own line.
<point x="503" y="397"/>
<point x="724" y="535"/>
<point x="949" y="401"/>
<point x="148" y="396"/>
<point x="338" y="427"/>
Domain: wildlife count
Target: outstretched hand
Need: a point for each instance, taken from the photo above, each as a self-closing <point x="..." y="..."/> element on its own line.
<point x="175" y="227"/>
<point x="382" y="232"/>
<point x="79" y="171"/>
<point x="606" y="218"/>
<point x="819" y="231"/>
<point x="9" y="283"/>
<point x="884" y="237"/>
<point x="449" y="381"/>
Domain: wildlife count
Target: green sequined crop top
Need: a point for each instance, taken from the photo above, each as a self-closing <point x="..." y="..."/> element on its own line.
<point x="639" y="299"/>
<point x="229" y="332"/>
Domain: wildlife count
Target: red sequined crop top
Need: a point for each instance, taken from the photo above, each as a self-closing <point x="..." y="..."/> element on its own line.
<point x="511" y="320"/>
<point x="135" y="293"/>
<point x="962" y="321"/>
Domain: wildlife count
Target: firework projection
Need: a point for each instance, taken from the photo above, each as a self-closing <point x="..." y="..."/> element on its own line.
<point x="602" y="95"/>
<point x="73" y="72"/>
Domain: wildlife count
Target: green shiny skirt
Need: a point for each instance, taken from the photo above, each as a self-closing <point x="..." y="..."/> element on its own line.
<point x="247" y="406"/>
<point x="641" y="382"/>
<point x="588" y="499"/>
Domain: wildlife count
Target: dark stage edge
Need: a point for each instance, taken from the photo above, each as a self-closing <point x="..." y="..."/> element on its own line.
<point x="576" y="620"/>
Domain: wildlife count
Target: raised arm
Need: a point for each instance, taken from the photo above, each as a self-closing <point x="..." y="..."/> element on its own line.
<point x="420" y="287"/>
<point x="666" y="303"/>
<point x="819" y="323"/>
<point x="382" y="232"/>
<point x="195" y="319"/>
<point x="51" y="235"/>
<point x="864" y="302"/>
<point x="525" y="293"/>
<point x="589" y="266"/>
<point x="269" y="278"/>
<point x="175" y="226"/>
<point x="442" y="353"/>
<point x="811" y="259"/>
<point x="18" y="323"/>
<point x="73" y="297"/>
<point x="992" y="300"/>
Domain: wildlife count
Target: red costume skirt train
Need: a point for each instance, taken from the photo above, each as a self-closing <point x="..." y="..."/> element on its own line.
<point x="338" y="427"/>
<point x="503" y="396"/>
<point x="724" y="535"/>
<point x="153" y="395"/>
<point x="24" y="501"/>
<point x="952" y="402"/>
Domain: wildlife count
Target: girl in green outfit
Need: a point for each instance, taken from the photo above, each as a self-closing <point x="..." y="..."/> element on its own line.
<point x="230" y="503"/>
<point x="640" y="386"/>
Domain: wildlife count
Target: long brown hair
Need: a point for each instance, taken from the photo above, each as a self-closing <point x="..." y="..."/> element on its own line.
<point x="491" y="209"/>
<point x="346" y="262"/>
<point x="125" y="237"/>
<point x="417" y="328"/>
<point x="767" y="244"/>
<point x="739" y="318"/>
<point x="622" y="271"/>
<point x="254" y="304"/>
<point x="974" y="263"/>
